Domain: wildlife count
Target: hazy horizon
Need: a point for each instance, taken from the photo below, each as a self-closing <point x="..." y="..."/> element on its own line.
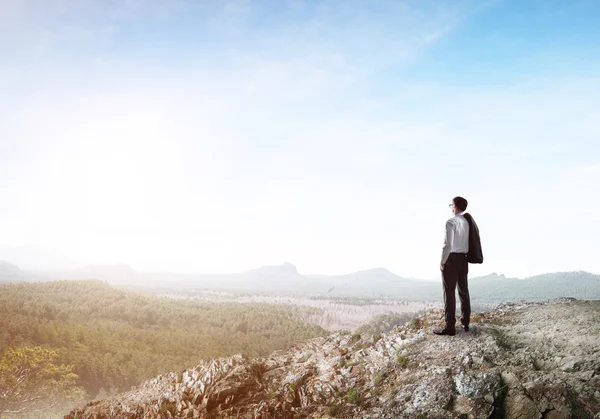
<point x="69" y="265"/>
<point x="221" y="136"/>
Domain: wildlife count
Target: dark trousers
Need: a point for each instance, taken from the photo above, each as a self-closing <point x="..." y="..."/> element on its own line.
<point x="455" y="273"/>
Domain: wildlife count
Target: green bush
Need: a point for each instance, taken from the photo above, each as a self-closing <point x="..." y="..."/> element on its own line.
<point x="402" y="361"/>
<point x="377" y="379"/>
<point x="353" y="396"/>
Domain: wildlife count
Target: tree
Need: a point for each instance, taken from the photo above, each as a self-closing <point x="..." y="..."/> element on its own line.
<point x="30" y="380"/>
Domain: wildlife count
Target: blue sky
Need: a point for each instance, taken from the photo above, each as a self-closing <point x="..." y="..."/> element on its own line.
<point x="216" y="136"/>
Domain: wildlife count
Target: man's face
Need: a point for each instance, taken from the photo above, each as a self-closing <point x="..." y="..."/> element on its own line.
<point x="453" y="208"/>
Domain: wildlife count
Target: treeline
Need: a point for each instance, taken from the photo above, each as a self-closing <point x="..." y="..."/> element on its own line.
<point x="115" y="339"/>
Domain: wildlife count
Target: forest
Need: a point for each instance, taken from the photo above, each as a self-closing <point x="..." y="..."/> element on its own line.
<point x="113" y="339"/>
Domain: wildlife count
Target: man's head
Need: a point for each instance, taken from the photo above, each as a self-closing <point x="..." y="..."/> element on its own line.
<point x="458" y="205"/>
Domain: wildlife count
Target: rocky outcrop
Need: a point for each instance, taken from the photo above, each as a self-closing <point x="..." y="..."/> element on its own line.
<point x="518" y="361"/>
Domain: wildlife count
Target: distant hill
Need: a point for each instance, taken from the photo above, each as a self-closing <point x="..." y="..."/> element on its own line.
<point x="381" y="283"/>
<point x="10" y="273"/>
<point x="371" y="283"/>
<point x="285" y="269"/>
<point x="493" y="288"/>
<point x="377" y="282"/>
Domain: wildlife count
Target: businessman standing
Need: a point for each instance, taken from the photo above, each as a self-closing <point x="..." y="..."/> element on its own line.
<point x="455" y="268"/>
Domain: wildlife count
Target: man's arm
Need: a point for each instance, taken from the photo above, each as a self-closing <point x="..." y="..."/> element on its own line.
<point x="447" y="242"/>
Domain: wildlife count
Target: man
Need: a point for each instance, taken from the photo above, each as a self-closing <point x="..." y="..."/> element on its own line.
<point x="455" y="268"/>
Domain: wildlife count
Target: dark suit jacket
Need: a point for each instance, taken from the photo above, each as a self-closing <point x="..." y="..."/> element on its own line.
<point x="475" y="254"/>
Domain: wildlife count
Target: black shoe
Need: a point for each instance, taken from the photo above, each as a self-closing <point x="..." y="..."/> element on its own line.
<point x="445" y="331"/>
<point x="466" y="327"/>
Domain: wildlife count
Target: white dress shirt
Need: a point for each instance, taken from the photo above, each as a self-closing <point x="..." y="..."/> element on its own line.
<point x="456" y="239"/>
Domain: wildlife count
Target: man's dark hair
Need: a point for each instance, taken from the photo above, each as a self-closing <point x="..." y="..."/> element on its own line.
<point x="460" y="203"/>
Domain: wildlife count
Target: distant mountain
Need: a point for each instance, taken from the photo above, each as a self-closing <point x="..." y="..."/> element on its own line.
<point x="377" y="283"/>
<point x="495" y="288"/>
<point x="10" y="273"/>
<point x="381" y="283"/>
<point x="566" y="277"/>
<point x="280" y="279"/>
<point x="373" y="283"/>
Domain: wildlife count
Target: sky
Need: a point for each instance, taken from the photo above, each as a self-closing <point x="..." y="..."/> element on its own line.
<point x="217" y="136"/>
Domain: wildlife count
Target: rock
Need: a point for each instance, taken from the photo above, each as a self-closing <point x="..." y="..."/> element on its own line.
<point x="571" y="363"/>
<point x="356" y="370"/>
<point x="557" y="414"/>
<point x="518" y="405"/>
<point x="478" y="384"/>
